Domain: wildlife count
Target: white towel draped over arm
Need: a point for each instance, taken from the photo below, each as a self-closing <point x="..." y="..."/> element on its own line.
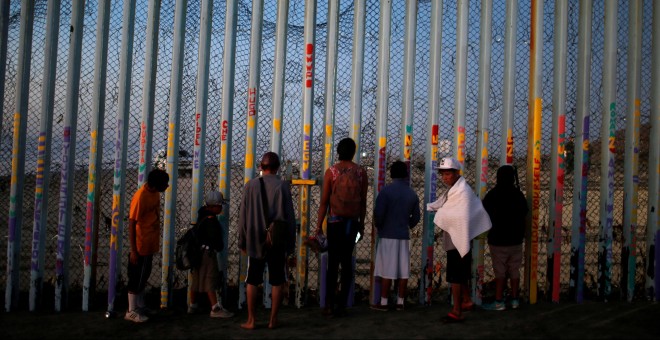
<point x="462" y="215"/>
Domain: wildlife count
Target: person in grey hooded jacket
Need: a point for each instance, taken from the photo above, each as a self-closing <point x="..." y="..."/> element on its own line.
<point x="252" y="235"/>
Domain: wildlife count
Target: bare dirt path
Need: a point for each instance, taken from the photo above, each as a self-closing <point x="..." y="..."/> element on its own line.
<point x="615" y="320"/>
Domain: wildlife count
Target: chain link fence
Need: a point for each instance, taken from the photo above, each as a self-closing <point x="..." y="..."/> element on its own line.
<point x="291" y="134"/>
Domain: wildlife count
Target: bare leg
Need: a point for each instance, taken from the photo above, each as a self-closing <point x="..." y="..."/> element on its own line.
<point x="385" y="287"/>
<point x="212" y="298"/>
<point x="277" y="295"/>
<point x="403" y="285"/>
<point x="193" y="297"/>
<point x="515" y="284"/>
<point x="499" y="288"/>
<point x="457" y="298"/>
<point x="465" y="292"/>
<point x="251" y="305"/>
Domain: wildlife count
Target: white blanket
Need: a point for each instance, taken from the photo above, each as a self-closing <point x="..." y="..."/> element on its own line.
<point x="461" y="215"/>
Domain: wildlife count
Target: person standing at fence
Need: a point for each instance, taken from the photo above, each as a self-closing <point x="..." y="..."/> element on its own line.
<point x="462" y="217"/>
<point x="345" y="195"/>
<point x="144" y="240"/>
<point x="507" y="207"/>
<point x="395" y="213"/>
<point x="252" y="235"/>
<point x="209" y="235"/>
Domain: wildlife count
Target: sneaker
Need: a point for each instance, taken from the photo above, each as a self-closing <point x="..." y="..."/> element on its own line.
<point x="400" y="306"/>
<point x="379" y="307"/>
<point x="515" y="303"/>
<point x="220" y="312"/>
<point x="192" y="309"/>
<point x="495" y="305"/>
<point x="135" y="316"/>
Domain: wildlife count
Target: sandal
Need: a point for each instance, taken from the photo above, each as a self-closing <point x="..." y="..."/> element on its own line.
<point x="452" y="318"/>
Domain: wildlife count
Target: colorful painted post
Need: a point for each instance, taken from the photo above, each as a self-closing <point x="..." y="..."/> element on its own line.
<point x="631" y="164"/>
<point x="121" y="149"/>
<point x="460" y="96"/>
<point x="357" y="74"/>
<point x="43" y="156"/>
<point x="281" y="30"/>
<point x="306" y="156"/>
<point x="431" y="156"/>
<point x="4" y="34"/>
<point x="68" y="157"/>
<point x="652" y="230"/>
<point x="608" y="129"/>
<point x="169" y="216"/>
<point x="224" y="173"/>
<point x="508" y="100"/>
<point x="483" y="113"/>
<point x="534" y="148"/>
<point x="18" y="155"/>
<point x="557" y="156"/>
<point x="201" y="105"/>
<point x="408" y="86"/>
<point x="382" y="105"/>
<point x="252" y="114"/>
<point x="328" y="150"/>
<point x="581" y="158"/>
<point x="359" y="21"/>
<point x="149" y="90"/>
<point x="95" y="153"/>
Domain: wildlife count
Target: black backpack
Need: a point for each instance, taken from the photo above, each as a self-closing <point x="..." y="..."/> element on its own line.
<point x="188" y="251"/>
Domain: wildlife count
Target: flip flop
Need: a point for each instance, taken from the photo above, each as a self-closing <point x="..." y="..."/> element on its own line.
<point x="452" y="318"/>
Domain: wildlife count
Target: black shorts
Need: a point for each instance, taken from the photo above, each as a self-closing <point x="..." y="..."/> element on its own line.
<point x="459" y="269"/>
<point x="276" y="269"/>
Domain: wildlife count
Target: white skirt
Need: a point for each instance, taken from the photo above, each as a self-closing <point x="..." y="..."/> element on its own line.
<point x="392" y="259"/>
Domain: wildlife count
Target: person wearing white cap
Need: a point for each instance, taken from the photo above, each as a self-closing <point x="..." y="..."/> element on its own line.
<point x="209" y="235"/>
<point x="462" y="217"/>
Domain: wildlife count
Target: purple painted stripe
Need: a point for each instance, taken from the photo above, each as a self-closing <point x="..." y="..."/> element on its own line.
<point x="64" y="198"/>
<point x="12" y="230"/>
<point x="307" y="171"/>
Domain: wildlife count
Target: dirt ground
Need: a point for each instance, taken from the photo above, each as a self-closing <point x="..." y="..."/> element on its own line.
<point x="614" y="319"/>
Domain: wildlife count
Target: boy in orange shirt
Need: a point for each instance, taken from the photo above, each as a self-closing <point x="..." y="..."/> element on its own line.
<point x="144" y="239"/>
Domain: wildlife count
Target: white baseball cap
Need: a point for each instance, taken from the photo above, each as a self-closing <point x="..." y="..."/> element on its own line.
<point x="449" y="163"/>
<point x="214" y="198"/>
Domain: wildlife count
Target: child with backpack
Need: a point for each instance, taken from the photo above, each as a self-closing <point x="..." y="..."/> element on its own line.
<point x="205" y="276"/>
<point x="344" y="202"/>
